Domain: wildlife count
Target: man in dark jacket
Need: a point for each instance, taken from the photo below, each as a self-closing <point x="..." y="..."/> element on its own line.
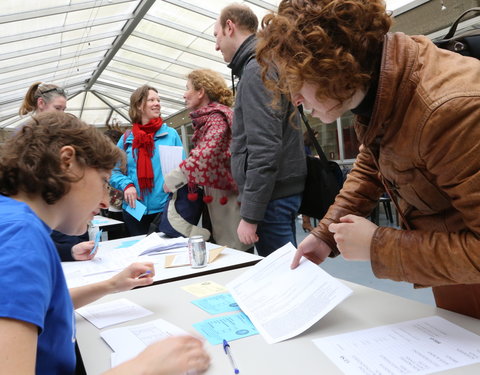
<point x="268" y="159"/>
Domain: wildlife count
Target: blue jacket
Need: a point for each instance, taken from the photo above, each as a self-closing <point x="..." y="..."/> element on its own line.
<point x="156" y="199"/>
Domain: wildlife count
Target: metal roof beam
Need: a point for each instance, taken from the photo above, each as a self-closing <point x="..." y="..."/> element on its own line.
<point x="193" y="8"/>
<point x="176" y="26"/>
<point x="15" y="17"/>
<point x="112" y="107"/>
<point x="62" y="29"/>
<point x="83" y="103"/>
<point x="16" y="78"/>
<point x="263" y="4"/>
<point x="173" y="101"/>
<point x="51" y="78"/>
<point x="108" y="95"/>
<point x="146" y="78"/>
<point x="57" y="58"/>
<point x="145" y="66"/>
<point x="16" y="98"/>
<point x="177" y="46"/>
<point x="135" y="85"/>
<point x="130" y="26"/>
<point x="167" y="59"/>
<point x="57" y="46"/>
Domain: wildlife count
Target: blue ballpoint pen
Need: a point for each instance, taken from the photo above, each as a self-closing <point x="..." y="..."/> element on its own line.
<point x="97" y="240"/>
<point x="228" y="352"/>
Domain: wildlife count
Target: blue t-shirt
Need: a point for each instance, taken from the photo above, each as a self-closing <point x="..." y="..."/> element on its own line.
<point x="33" y="286"/>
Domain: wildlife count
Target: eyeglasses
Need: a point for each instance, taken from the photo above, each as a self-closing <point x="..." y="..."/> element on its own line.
<point x="59" y="90"/>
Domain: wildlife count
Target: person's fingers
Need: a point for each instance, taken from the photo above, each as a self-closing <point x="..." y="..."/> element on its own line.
<point x="296" y="259"/>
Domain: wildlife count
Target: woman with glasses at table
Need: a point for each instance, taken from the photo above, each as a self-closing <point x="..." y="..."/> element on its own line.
<point x="61" y="183"/>
<point x="143" y="178"/>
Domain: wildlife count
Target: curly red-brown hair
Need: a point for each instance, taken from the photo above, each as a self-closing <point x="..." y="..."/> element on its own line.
<point x="333" y="44"/>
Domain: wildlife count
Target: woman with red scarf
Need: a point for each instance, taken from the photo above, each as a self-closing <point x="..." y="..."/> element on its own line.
<point x="143" y="179"/>
<point x="208" y="165"/>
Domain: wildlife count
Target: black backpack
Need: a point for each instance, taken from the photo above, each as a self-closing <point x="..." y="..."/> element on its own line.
<point x="466" y="43"/>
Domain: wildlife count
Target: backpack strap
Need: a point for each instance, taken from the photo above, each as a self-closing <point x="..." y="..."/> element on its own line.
<point x="125" y="136"/>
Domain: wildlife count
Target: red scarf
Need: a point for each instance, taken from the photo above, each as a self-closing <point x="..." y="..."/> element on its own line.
<point x="144" y="144"/>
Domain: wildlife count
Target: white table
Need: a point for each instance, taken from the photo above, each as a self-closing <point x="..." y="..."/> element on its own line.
<point x="77" y="273"/>
<point x="366" y="308"/>
<point x="106" y="224"/>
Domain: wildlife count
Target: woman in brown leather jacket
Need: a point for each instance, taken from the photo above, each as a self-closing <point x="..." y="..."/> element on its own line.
<point x="418" y="120"/>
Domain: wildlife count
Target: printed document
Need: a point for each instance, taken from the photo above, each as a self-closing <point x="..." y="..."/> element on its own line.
<point x="416" y="347"/>
<point x="109" y="313"/>
<point x="170" y="157"/>
<point x="127" y="342"/>
<point x="282" y="302"/>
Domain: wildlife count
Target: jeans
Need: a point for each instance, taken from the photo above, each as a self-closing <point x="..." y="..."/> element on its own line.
<point x="278" y="225"/>
<point x="135" y="227"/>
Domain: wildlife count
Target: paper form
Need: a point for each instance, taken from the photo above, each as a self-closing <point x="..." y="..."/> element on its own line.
<point x="114" y="312"/>
<point x="282" y="302"/>
<point x="416" y="347"/>
<point x="206" y="288"/>
<point x="170" y="157"/>
<point x="127" y="342"/>
<point x="228" y="327"/>
<point x="221" y="303"/>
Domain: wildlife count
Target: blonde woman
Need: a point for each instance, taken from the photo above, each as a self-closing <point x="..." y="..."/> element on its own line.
<point x="208" y="165"/>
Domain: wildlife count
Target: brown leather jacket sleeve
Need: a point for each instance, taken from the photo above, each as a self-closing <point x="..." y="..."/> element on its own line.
<point x="444" y="248"/>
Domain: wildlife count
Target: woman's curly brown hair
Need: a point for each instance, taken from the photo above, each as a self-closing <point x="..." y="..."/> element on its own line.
<point x="333" y="44"/>
<point x="213" y="84"/>
<point x="30" y="161"/>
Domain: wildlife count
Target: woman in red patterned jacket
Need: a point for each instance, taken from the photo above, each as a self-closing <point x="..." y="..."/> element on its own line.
<point x="208" y="165"/>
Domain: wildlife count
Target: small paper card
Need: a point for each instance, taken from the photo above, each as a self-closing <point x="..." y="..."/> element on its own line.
<point x="138" y="211"/>
<point x="207" y="288"/>
<point x="220" y="303"/>
<point x="229" y="327"/>
<point x="179" y="260"/>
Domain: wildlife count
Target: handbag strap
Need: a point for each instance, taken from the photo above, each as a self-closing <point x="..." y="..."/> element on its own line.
<point x="453" y="28"/>
<point x="311" y="134"/>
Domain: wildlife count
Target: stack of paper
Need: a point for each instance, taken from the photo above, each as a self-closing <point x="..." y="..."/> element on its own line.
<point x="128" y="342"/>
<point x="153" y="244"/>
<point x="281" y="302"/>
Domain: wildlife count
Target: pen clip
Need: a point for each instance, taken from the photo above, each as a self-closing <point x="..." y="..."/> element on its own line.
<point x="225" y="345"/>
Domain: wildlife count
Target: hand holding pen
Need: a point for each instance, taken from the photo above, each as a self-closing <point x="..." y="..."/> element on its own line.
<point x="228" y="352"/>
<point x="98" y="236"/>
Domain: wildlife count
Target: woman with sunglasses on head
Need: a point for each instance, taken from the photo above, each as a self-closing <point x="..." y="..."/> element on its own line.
<point x="61" y="183"/>
<point x="143" y="178"/>
<point x="417" y="119"/>
<point x="208" y="165"/>
<point x="43" y="97"/>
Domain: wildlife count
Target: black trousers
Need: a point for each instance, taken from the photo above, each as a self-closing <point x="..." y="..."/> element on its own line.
<point x="135" y="227"/>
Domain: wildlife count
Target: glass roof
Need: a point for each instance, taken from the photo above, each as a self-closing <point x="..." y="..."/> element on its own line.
<point x="101" y="50"/>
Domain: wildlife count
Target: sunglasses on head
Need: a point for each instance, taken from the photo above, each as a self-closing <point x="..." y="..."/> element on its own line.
<point x="59" y="90"/>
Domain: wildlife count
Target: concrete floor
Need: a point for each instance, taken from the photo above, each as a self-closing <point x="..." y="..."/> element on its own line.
<point x="361" y="272"/>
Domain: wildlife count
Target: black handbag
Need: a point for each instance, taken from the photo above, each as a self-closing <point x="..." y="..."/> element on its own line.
<point x="466" y="43"/>
<point x="324" y="179"/>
